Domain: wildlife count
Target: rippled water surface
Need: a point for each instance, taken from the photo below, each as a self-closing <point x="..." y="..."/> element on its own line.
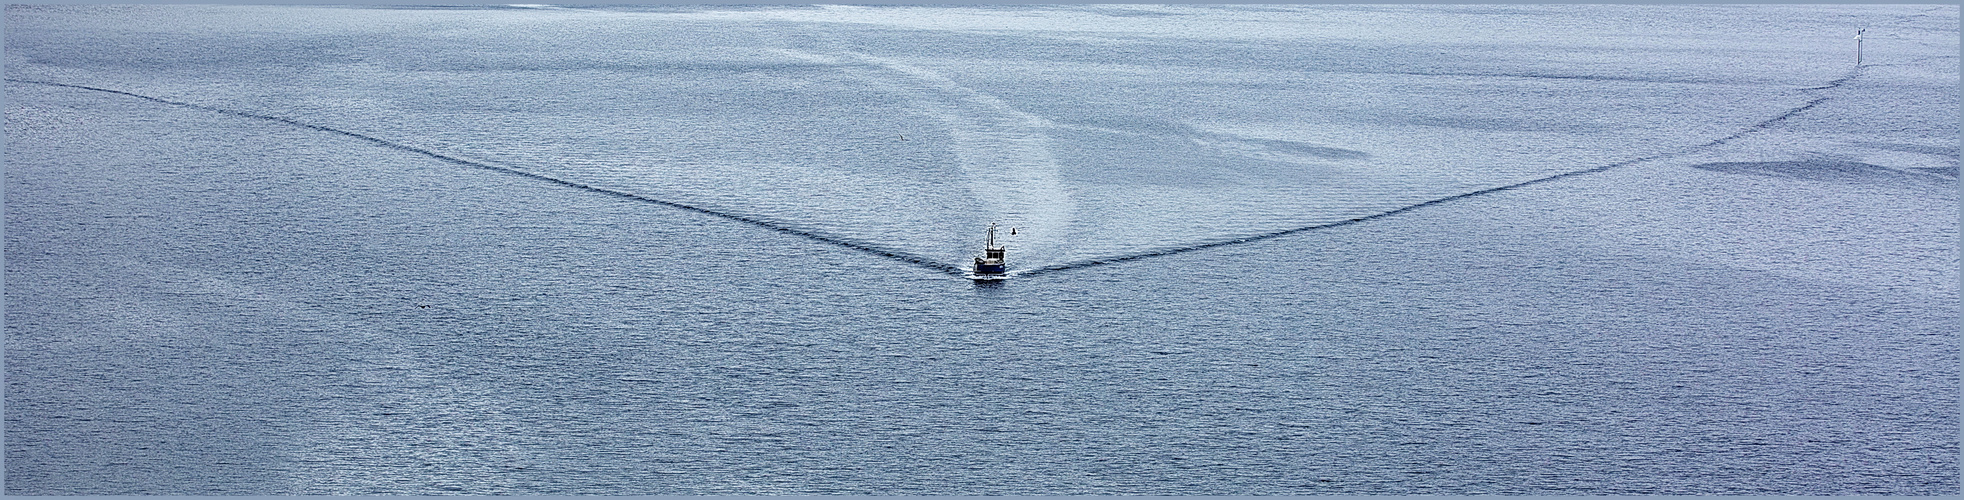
<point x="1259" y="250"/>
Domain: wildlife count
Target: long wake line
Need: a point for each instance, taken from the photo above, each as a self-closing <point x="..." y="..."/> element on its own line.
<point x="1277" y="234"/>
<point x="956" y="270"/>
<point x="893" y="254"/>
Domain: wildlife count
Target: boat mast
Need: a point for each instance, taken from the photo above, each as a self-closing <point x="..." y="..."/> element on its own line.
<point x="991" y="243"/>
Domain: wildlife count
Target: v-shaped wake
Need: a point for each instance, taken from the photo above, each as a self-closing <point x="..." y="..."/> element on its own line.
<point x="943" y="267"/>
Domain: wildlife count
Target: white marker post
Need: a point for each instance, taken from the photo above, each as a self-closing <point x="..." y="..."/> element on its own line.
<point x="1858" y="47"/>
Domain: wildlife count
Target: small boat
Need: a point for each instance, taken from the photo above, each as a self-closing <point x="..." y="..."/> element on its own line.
<point x="990" y="264"/>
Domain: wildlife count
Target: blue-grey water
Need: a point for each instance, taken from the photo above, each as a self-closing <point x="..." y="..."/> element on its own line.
<point x="718" y="250"/>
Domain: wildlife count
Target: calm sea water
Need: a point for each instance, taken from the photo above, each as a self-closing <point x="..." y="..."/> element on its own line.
<point x="1597" y="250"/>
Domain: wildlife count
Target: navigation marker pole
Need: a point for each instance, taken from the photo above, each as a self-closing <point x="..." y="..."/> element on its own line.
<point x="1858" y="47"/>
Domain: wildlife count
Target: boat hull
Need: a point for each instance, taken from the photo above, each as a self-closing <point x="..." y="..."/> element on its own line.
<point x="987" y="278"/>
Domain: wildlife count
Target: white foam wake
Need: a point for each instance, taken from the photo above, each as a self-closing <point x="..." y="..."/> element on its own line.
<point x="1004" y="154"/>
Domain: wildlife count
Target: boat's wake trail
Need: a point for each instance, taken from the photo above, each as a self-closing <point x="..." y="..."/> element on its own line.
<point x="1006" y="157"/>
<point x="1004" y="153"/>
<point x="454" y="159"/>
<point x="1749" y="130"/>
